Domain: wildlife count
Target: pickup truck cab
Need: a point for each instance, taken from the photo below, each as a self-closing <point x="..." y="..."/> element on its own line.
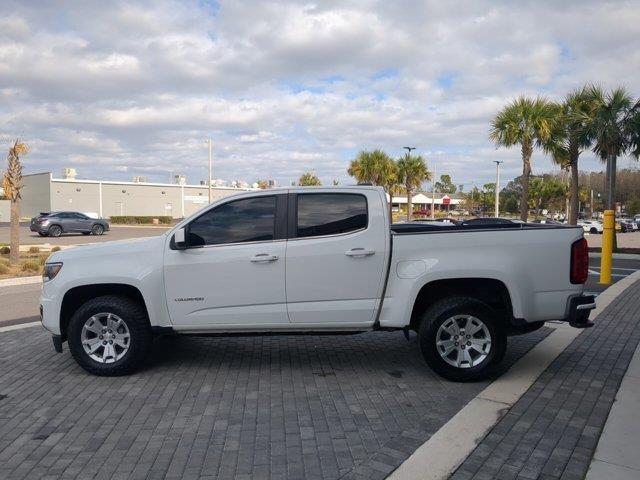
<point x="317" y="260"/>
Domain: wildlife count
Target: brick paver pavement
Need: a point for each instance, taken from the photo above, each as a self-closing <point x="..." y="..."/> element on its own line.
<point x="314" y="407"/>
<point x="553" y="430"/>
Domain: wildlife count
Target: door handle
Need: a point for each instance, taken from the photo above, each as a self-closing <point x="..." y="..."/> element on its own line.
<point x="264" y="257"/>
<point x="359" y="252"/>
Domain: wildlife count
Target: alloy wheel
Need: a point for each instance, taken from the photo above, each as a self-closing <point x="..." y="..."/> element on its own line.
<point x="463" y="341"/>
<point x="105" y="337"/>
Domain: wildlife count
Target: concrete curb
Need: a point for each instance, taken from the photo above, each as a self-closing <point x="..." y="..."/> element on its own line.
<point x="620" y="256"/>
<point x="20" y="326"/>
<point x="10" y="282"/>
<point x="443" y="453"/>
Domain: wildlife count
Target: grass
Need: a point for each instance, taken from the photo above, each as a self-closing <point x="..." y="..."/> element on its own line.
<point x="30" y="264"/>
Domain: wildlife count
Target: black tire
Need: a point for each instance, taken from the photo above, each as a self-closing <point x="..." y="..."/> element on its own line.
<point x="55" y="231"/>
<point x="593" y="230"/>
<point x="441" y="312"/>
<point x="97" y="229"/>
<point x="135" y="317"/>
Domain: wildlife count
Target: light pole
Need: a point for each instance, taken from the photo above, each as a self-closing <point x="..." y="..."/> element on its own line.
<point x="209" y="182"/>
<point x="433" y="193"/>
<point x="497" y="162"/>
<point x="408" y="149"/>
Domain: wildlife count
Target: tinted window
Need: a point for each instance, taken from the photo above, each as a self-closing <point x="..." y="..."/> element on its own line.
<point x="330" y="213"/>
<point x="247" y="220"/>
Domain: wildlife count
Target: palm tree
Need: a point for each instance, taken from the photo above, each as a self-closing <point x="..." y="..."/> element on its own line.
<point x="412" y="171"/>
<point x="376" y="168"/>
<point x="12" y="184"/>
<point x="309" y="179"/>
<point x="571" y="137"/>
<point x="615" y="130"/>
<point x="529" y="123"/>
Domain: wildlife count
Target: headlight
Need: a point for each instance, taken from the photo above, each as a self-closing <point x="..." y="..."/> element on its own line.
<point x="50" y="271"/>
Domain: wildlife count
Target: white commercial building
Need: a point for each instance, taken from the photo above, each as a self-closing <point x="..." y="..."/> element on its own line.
<point x="43" y="193"/>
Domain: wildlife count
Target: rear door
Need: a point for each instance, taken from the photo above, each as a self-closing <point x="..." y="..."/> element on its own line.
<point x="335" y="257"/>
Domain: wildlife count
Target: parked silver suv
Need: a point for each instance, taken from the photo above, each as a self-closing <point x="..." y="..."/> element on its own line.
<point x="56" y="223"/>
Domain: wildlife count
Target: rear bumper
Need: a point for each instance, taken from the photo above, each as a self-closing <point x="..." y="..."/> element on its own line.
<point x="579" y="309"/>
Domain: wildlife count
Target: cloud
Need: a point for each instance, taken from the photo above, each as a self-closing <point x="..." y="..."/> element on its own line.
<point x="124" y="88"/>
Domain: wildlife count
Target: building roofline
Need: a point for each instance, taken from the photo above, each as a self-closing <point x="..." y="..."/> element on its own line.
<point x="150" y="184"/>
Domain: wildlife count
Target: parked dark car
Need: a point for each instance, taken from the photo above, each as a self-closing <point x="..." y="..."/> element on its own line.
<point x="55" y="224"/>
<point x="488" y="221"/>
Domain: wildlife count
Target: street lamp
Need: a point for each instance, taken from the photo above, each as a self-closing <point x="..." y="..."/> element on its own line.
<point x="497" y="162"/>
<point x="409" y="150"/>
<point x="209" y="182"/>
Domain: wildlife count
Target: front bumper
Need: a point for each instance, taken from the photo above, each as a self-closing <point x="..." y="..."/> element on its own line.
<point x="579" y="309"/>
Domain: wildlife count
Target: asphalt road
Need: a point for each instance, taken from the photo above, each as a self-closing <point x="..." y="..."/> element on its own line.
<point x="116" y="233"/>
<point x="621" y="268"/>
<point x="20" y="303"/>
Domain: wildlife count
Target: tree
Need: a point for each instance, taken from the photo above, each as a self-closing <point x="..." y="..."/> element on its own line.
<point x="263" y="184"/>
<point x="376" y="168"/>
<point x="309" y="179"/>
<point x="446" y="185"/>
<point x="547" y="192"/>
<point x="12" y="185"/>
<point x="528" y="123"/>
<point x="412" y="171"/>
<point x="615" y="131"/>
<point x="571" y="137"/>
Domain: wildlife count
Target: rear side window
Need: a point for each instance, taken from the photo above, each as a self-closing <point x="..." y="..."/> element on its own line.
<point x="246" y="220"/>
<point x="330" y="214"/>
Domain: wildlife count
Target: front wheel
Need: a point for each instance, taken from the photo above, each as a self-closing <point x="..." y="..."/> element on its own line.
<point x="462" y="339"/>
<point x="109" y="335"/>
<point x="97" y="229"/>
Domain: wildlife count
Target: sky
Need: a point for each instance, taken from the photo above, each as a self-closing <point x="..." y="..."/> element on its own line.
<point x="120" y="89"/>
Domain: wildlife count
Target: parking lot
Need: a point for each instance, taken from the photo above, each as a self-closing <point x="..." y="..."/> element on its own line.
<point x="117" y="232"/>
<point x="319" y="407"/>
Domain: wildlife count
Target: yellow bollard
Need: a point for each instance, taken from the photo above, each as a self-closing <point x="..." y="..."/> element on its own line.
<point x="606" y="256"/>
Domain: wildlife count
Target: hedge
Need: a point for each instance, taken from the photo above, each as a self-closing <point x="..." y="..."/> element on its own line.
<point x="140" y="220"/>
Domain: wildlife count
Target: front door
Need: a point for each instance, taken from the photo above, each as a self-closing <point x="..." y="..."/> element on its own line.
<point x="232" y="272"/>
<point x="335" y="258"/>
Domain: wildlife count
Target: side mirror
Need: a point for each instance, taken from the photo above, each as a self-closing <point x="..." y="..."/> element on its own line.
<point x="179" y="239"/>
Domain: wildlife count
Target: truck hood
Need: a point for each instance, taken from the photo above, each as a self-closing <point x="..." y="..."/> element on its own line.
<point x="116" y="247"/>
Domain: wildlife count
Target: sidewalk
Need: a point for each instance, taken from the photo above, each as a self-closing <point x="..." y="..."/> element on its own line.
<point x="553" y="430"/>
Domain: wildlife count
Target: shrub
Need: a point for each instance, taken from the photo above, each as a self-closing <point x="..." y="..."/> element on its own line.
<point x="34" y="249"/>
<point x="4" y="268"/>
<point x="141" y="220"/>
<point x="30" y="266"/>
<point x="4" y="261"/>
<point x="5" y="250"/>
<point x="42" y="260"/>
<point x="56" y="249"/>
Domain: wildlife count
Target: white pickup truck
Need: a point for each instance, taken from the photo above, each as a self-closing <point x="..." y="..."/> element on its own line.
<point x="317" y="260"/>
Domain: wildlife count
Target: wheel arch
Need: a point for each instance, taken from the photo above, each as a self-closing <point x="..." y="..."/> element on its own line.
<point x="491" y="291"/>
<point x="75" y="297"/>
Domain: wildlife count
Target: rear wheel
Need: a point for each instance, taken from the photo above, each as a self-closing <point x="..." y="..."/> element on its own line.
<point x="55" y="231"/>
<point x="109" y="335"/>
<point x="97" y="229"/>
<point x="462" y="339"/>
<point x="593" y="230"/>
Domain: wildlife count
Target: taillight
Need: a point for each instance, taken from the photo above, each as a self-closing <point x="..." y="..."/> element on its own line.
<point x="579" y="261"/>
